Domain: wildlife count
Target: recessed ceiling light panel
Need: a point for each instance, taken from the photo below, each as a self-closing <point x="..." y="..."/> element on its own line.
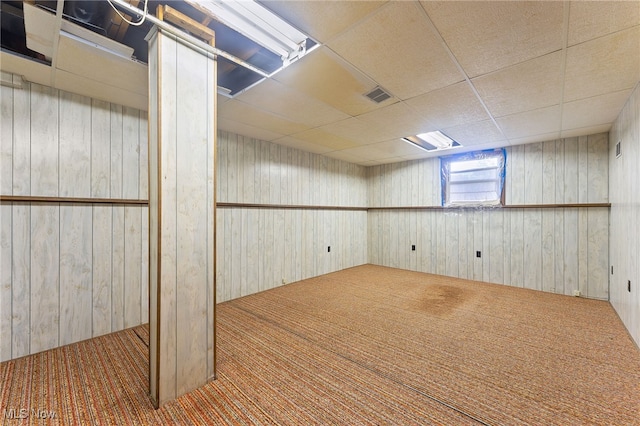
<point x="432" y="141"/>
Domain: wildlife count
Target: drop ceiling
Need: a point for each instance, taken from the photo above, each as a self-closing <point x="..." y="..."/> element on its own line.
<point x="487" y="74"/>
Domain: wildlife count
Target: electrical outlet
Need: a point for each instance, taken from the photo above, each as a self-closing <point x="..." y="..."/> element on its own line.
<point x="478" y="254"/>
<point x="413" y="247"/>
<point x="629" y="286"/>
<point x="329" y="249"/>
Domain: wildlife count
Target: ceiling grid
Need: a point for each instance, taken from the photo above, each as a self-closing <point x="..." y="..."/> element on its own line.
<point x="487" y="74"/>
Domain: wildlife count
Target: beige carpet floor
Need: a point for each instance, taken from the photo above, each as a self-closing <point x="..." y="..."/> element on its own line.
<point x="367" y="345"/>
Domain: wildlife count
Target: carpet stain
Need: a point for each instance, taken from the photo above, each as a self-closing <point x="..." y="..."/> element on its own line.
<point x="441" y="300"/>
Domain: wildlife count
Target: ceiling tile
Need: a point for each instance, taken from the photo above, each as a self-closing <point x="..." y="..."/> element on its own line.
<point x="396" y="148"/>
<point x="397" y="48"/>
<point x="419" y="156"/>
<point x="483" y="146"/>
<point x="246" y="130"/>
<point x="396" y="121"/>
<point x="543" y="137"/>
<point x="480" y="147"/>
<point x="592" y="19"/>
<point x="486" y="36"/>
<point x="325" y="139"/>
<point x="367" y="153"/>
<point x="530" y="85"/>
<point x="341" y="155"/>
<point x="102" y="66"/>
<point x="477" y="133"/>
<point x="603" y="109"/>
<point x="88" y="87"/>
<point x="607" y="64"/>
<point x="391" y="160"/>
<point x="40" y="28"/>
<point x="325" y="76"/>
<point x="356" y="130"/>
<point x="32" y="71"/>
<point x="279" y="99"/>
<point x="448" y="107"/>
<point x="322" y="20"/>
<point x="220" y="99"/>
<point x="531" y="123"/>
<point x="247" y="114"/>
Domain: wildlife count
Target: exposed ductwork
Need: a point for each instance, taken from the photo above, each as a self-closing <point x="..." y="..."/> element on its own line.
<point x="88" y="12"/>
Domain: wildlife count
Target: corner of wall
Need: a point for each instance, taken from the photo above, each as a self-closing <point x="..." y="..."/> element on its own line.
<point x="624" y="193"/>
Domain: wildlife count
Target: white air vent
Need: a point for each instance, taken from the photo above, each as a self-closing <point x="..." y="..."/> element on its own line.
<point x="378" y="95"/>
<point x="618" y="149"/>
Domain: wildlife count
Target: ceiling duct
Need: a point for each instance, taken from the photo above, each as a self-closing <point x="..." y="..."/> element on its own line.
<point x="378" y="95"/>
<point x="88" y="12"/>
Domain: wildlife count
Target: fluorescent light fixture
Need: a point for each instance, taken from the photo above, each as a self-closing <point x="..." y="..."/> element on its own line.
<point x="259" y="24"/>
<point x="432" y="141"/>
<point x="437" y="139"/>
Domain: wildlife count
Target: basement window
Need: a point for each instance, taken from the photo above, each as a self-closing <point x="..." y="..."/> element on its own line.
<point x="473" y="179"/>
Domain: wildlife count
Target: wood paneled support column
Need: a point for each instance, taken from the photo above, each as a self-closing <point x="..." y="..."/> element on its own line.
<point x="182" y="144"/>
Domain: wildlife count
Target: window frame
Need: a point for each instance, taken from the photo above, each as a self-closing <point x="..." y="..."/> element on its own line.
<point x="445" y="173"/>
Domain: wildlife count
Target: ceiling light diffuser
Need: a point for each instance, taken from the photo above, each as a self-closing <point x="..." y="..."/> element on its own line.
<point x="432" y="141"/>
<point x="437" y="139"/>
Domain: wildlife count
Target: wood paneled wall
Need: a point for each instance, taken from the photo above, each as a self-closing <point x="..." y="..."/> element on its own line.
<point x="59" y="144"/>
<point x="409" y="183"/>
<point x="555" y="250"/>
<point x="257" y="172"/>
<point x="262" y="248"/>
<point x="558" y="250"/>
<point x="624" y="190"/>
<point x="70" y="271"/>
<point x="565" y="171"/>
